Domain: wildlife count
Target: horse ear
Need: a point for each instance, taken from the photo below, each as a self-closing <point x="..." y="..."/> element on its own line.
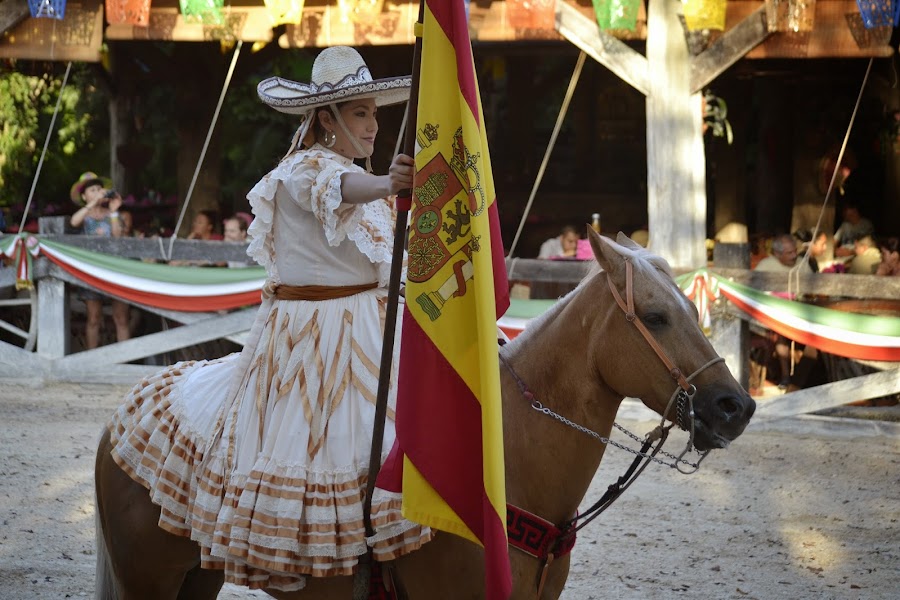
<point x="605" y="252"/>
<point x="627" y="242"/>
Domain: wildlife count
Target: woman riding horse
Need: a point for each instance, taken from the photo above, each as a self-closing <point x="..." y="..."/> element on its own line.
<point x="262" y="457"/>
<point x="256" y="464"/>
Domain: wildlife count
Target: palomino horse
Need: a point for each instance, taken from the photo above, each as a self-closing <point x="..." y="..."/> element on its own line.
<point x="577" y="363"/>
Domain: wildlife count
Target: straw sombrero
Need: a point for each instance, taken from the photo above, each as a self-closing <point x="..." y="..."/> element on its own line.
<point x="85" y="180"/>
<point x="338" y="74"/>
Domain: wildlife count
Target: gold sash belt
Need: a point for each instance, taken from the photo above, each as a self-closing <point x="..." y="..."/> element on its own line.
<point x="317" y="292"/>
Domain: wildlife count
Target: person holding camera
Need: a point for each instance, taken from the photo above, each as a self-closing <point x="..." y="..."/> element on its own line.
<point x="98" y="215"/>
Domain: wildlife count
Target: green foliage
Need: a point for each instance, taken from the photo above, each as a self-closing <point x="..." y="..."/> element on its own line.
<point x="28" y="96"/>
<point x="255" y="137"/>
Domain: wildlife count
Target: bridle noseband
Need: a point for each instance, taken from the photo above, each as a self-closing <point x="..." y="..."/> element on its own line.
<point x="682" y="399"/>
<point x="627" y="307"/>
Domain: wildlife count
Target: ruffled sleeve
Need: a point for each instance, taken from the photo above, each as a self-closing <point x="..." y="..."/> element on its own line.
<point x="312" y="178"/>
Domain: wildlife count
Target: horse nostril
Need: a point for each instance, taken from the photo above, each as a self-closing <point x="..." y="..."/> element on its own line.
<point x="729" y="407"/>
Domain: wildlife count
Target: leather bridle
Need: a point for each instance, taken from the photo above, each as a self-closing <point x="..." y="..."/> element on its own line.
<point x="682" y="399"/>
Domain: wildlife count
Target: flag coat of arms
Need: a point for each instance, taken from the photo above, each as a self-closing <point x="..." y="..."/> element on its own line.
<point x="449" y="423"/>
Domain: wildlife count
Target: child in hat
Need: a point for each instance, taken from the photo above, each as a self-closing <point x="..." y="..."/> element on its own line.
<point x="98" y="214"/>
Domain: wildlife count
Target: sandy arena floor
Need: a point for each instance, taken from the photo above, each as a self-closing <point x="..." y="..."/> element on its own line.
<point x="801" y="509"/>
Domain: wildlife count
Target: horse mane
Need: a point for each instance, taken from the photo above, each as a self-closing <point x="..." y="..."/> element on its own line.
<point x="641" y="254"/>
<point x="548" y="316"/>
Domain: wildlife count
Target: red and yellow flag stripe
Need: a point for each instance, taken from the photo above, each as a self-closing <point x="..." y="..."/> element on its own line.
<point x="449" y="424"/>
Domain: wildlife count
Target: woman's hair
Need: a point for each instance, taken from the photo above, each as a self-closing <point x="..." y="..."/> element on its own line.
<point x="318" y="130"/>
<point x="891" y="244"/>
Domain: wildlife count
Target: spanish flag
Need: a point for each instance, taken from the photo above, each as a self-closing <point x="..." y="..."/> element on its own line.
<point x="449" y="422"/>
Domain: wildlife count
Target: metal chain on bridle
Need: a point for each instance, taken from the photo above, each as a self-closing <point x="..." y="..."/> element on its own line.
<point x="682" y="400"/>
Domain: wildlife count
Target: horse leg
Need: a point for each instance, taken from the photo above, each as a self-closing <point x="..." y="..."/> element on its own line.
<point x="201" y="584"/>
<point x="147" y="562"/>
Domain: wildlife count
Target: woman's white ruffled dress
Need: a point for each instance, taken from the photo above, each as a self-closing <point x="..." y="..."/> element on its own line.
<point x="262" y="457"/>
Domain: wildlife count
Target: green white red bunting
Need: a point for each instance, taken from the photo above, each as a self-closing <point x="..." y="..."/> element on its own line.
<point x="188" y="289"/>
<point x="200" y="289"/>
<point x="863" y="337"/>
<point x="21" y="248"/>
<point x="853" y="335"/>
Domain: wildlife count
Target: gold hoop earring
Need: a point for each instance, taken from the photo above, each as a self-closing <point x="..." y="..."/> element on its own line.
<point x="329" y="138"/>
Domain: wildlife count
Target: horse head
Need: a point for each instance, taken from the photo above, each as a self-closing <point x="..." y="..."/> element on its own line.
<point x="660" y="355"/>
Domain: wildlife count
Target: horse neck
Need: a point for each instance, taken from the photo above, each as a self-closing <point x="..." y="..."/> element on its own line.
<point x="549" y="465"/>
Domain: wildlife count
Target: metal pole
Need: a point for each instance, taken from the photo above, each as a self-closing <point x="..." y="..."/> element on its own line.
<point x="404" y="200"/>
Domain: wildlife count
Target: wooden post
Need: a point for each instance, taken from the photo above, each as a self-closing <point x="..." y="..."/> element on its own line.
<point x="676" y="165"/>
<point x="12" y="12"/>
<point x="53" y="316"/>
<point x="730" y="334"/>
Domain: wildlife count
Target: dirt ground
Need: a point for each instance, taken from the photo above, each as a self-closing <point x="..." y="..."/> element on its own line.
<point x="800" y="509"/>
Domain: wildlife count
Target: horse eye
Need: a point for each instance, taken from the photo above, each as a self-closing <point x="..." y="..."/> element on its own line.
<point x="654" y="319"/>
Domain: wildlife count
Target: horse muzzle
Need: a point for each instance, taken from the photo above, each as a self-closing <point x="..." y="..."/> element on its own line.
<point x="720" y="416"/>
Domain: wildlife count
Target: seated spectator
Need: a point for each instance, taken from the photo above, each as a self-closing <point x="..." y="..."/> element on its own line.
<point x="853" y="228"/>
<point x="759" y="248"/>
<point x="783" y="260"/>
<point x="235" y="228"/>
<point x="816" y="248"/>
<point x="565" y="245"/>
<point x="784" y="256"/>
<point x="890" y="258"/>
<point x="127" y="220"/>
<point x="867" y="258"/>
<point x="203" y="226"/>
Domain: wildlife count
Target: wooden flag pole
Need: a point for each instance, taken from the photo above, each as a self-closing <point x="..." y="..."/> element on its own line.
<point x="404" y="203"/>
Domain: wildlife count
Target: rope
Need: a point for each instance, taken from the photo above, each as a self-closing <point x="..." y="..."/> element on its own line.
<point x="794" y="273"/>
<point x="573" y="82"/>
<point x="402" y="130"/>
<point x="212" y="126"/>
<point x="37" y="173"/>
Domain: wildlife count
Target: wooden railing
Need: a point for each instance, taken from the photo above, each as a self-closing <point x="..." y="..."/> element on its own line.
<point x="730" y="330"/>
<point x="53" y="358"/>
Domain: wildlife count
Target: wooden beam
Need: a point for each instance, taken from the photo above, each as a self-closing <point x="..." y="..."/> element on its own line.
<point x="109" y="374"/>
<point x="728" y="49"/>
<point x="676" y="160"/>
<point x="12" y="12"/>
<point x="829" y="395"/>
<point x="610" y="52"/>
<point x="830" y="37"/>
<point x="164" y="341"/>
<point x="213" y="251"/>
<point x="17" y="358"/>
<point x="819" y="284"/>
<point x="46" y="269"/>
<point x="53" y="318"/>
<point x="78" y="37"/>
<point x="556" y="271"/>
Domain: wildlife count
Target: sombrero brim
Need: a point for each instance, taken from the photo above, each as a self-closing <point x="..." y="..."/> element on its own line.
<point x="79" y="186"/>
<point x="294" y="98"/>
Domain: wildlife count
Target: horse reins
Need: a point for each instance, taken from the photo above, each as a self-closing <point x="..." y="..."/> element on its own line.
<point x="682" y="398"/>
